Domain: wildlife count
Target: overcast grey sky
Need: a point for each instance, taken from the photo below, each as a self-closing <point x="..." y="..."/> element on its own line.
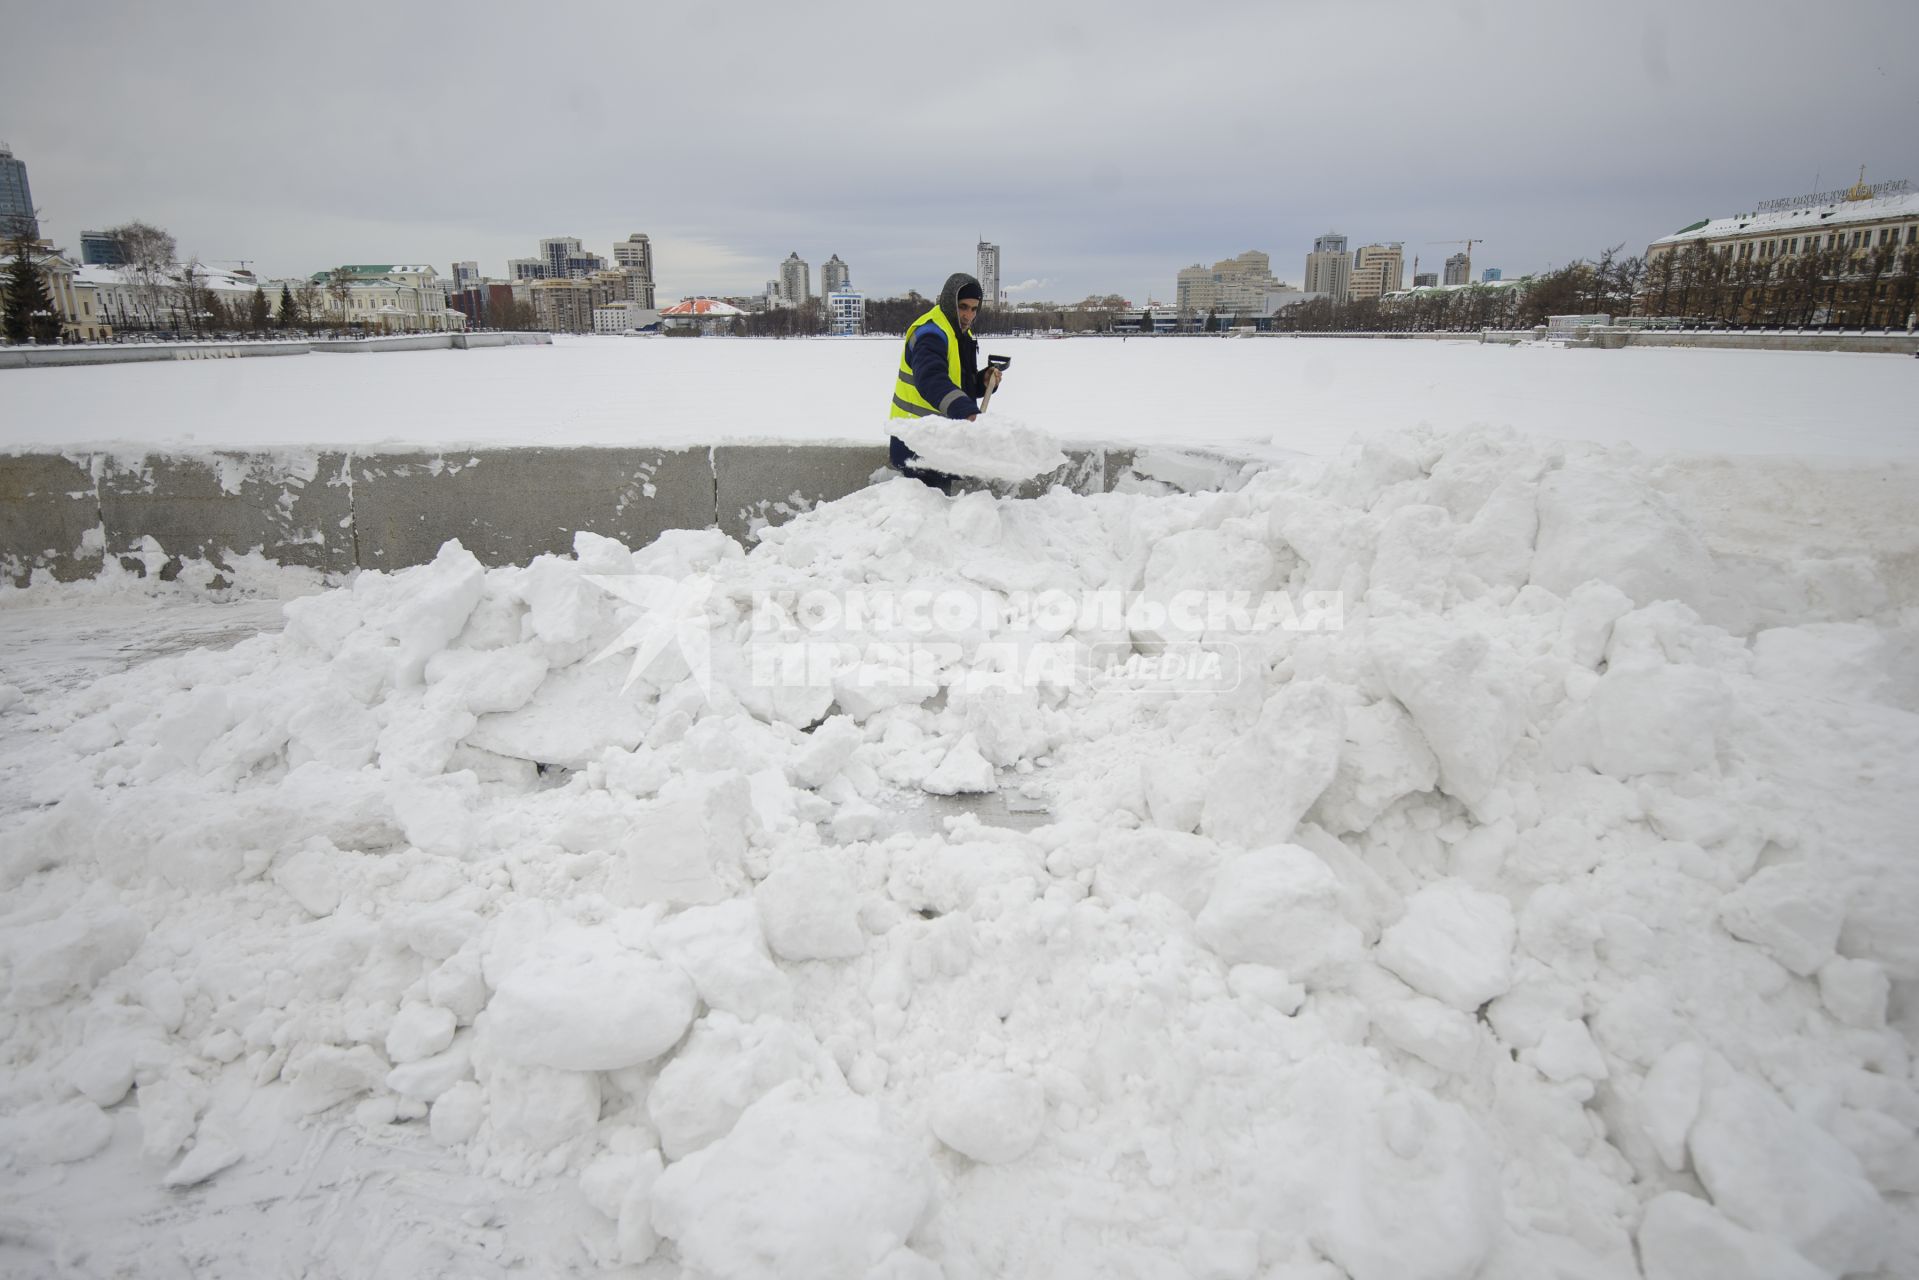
<point x="1103" y="145"/>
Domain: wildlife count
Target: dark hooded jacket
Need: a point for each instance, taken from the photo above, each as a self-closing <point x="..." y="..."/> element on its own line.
<point x="926" y="352"/>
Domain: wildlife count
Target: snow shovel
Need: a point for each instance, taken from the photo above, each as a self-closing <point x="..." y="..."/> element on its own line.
<point x="993" y="362"/>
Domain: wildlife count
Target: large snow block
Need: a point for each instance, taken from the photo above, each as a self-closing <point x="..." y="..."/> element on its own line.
<point x="293" y="506"/>
<point x="508" y="505"/>
<point x="47" y="506"/>
<point x="1606" y="525"/>
<point x="1084" y="472"/>
<point x="756" y="485"/>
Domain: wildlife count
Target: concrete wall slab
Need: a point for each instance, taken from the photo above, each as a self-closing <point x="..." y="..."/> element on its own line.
<point x="48" y="506"/>
<point x="758" y="485"/>
<point x="508" y="505"/>
<point x="291" y="505"/>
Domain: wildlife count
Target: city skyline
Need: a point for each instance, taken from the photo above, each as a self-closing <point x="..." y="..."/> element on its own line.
<point x="1085" y="200"/>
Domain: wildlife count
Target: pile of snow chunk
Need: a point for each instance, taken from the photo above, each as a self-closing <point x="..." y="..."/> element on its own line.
<point x="1539" y="919"/>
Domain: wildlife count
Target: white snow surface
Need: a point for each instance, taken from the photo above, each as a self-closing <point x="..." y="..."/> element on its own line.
<point x="990" y="449"/>
<point x="1442" y="945"/>
<point x="1308" y="395"/>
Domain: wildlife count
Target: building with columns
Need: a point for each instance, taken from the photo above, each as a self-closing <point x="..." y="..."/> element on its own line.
<point x="1854" y="222"/>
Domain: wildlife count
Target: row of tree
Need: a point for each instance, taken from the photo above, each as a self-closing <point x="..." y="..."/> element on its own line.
<point x="892" y="315"/>
<point x="1876" y="287"/>
<point x="1833" y="287"/>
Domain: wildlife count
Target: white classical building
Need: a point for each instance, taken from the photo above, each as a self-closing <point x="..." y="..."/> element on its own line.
<point x="124" y="298"/>
<point x="391" y="297"/>
<point x="1853" y="222"/>
<point x="74" y="298"/>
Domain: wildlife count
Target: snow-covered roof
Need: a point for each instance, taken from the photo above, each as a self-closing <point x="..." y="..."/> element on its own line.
<point x="109" y="277"/>
<point x="1786" y="221"/>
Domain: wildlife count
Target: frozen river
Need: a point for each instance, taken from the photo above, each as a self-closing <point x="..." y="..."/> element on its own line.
<point x="1306" y="395"/>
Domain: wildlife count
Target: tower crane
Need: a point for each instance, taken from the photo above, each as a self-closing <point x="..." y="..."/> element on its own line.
<point x="1469" y="251"/>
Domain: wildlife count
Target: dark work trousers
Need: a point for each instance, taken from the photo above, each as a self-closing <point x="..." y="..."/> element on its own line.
<point x="902" y="462"/>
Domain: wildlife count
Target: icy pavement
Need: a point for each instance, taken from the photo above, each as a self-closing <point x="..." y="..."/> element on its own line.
<point x="57" y="646"/>
<point x="1544" y="908"/>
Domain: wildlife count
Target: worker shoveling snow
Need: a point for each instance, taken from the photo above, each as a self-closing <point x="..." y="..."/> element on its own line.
<point x="1522" y="891"/>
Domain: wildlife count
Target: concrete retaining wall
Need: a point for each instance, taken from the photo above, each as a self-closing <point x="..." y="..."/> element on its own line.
<point x="473" y="341"/>
<point x="337" y="511"/>
<point x="1612" y="338"/>
<point x="140" y="352"/>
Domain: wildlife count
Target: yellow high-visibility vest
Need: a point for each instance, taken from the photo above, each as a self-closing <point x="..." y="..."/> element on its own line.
<point x="907" y="400"/>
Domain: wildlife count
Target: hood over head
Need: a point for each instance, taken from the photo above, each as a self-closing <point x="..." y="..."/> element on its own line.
<point x="958" y="285"/>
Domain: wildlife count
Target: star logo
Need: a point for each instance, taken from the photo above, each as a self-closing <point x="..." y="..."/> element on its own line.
<point x="673" y="614"/>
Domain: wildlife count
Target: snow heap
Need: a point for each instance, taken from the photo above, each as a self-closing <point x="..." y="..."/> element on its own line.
<point x="1540" y="920"/>
<point x="998" y="448"/>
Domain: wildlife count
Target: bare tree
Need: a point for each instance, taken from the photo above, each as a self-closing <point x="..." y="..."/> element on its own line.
<point x="339" y="287"/>
<point x="1905" y="288"/>
<point x="1880" y="260"/>
<point x="307" y="297"/>
<point x="147" y="256"/>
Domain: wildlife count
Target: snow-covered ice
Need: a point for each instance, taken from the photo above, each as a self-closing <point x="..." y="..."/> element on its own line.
<point x="1549" y="915"/>
<point x="1311" y="395"/>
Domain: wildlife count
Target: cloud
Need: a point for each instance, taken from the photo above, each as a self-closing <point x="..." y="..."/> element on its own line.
<point x="1025" y="286"/>
<point x="1097" y="163"/>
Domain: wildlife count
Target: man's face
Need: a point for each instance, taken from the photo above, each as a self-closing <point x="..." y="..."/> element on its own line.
<point x="968" y="309"/>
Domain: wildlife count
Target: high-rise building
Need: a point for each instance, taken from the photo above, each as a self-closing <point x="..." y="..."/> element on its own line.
<point x="567" y="305"/>
<point x="1426" y="280"/>
<point x="1328" y="269"/>
<point x="1378" y="269"/>
<point x="1232" y="287"/>
<point x="98" y="249"/>
<point x="525" y="269"/>
<point x="466" y="275"/>
<point x="1491" y="274"/>
<point x="986" y="271"/>
<point x="1459" y="269"/>
<point x="16" y="198"/>
<point x="796" y="280"/>
<point x="554" y="252"/>
<point x="563" y="258"/>
<point x="635" y="251"/>
<point x="634" y="257"/>
<point x="835" y="277"/>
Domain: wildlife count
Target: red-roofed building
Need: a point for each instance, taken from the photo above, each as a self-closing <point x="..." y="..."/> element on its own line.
<point x="709" y="315"/>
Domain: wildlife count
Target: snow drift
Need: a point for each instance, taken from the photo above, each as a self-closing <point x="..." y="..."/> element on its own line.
<point x="1547" y="917"/>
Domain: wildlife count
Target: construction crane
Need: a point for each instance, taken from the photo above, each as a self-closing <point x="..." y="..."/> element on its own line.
<point x="1469" y="253"/>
